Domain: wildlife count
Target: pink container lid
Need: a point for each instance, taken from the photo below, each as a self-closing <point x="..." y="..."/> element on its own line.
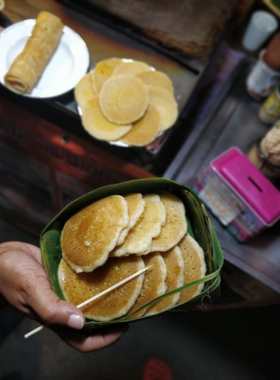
<point x="249" y="183"/>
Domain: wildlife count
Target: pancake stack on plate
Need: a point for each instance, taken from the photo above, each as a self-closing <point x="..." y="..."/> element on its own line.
<point x="126" y="101"/>
<point x="115" y="237"/>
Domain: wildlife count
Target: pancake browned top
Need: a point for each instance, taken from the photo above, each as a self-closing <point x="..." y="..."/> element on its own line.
<point x="165" y="104"/>
<point x="123" y="99"/>
<point x="131" y="68"/>
<point x="175" y="226"/>
<point x="79" y="287"/>
<point x="102" y="71"/>
<point x="83" y="91"/>
<point x="174" y="279"/>
<point x="195" y="267"/>
<point x="97" y="125"/>
<point x="136" y="206"/>
<point x="89" y="236"/>
<point x="153" y="284"/>
<point x="144" y="130"/>
<point x="139" y="238"/>
<point x="156" y="78"/>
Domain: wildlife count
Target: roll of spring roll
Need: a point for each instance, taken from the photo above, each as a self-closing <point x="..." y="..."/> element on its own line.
<point x="29" y="65"/>
<point x="2" y="4"/>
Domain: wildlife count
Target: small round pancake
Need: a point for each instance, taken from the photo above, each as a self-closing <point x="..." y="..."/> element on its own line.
<point x="136" y="206"/>
<point x="144" y="130"/>
<point x="123" y="99"/>
<point x="89" y="235"/>
<point x="174" y="279"/>
<point x="83" y="91"/>
<point x="131" y="68"/>
<point x="175" y="226"/>
<point x="153" y="284"/>
<point x="98" y="126"/>
<point x="194" y="264"/>
<point x="79" y="287"/>
<point x="165" y="104"/>
<point x="156" y="78"/>
<point x="102" y="71"/>
<point x="139" y="238"/>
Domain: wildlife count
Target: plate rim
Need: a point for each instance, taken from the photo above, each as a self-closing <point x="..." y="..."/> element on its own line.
<point x="67" y="30"/>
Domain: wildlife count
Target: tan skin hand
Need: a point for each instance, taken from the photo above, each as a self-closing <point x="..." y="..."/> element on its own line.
<point x="24" y="284"/>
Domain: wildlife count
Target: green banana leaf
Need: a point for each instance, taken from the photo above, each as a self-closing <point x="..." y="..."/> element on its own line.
<point x="199" y="226"/>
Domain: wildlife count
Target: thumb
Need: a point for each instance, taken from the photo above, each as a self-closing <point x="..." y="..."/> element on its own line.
<point x="51" y="309"/>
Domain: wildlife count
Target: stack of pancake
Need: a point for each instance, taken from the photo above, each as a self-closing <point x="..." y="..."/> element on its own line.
<point x="115" y="237"/>
<point x="127" y="101"/>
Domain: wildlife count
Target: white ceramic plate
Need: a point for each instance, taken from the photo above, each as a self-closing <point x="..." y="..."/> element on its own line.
<point x="68" y="64"/>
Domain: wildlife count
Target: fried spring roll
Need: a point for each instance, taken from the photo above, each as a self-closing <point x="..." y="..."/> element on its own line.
<point x="2" y="4"/>
<point x="28" y="66"/>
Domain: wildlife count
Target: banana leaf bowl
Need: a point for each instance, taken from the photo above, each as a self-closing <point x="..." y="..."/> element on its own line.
<point x="199" y="227"/>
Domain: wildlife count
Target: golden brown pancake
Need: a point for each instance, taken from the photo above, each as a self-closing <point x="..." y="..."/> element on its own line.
<point x="194" y="266"/>
<point x="165" y="104"/>
<point x="102" y="71"/>
<point x="136" y="206"/>
<point x="90" y="234"/>
<point x="123" y="99"/>
<point x="139" y="238"/>
<point x="131" y="68"/>
<point x="79" y="287"/>
<point x="175" y="226"/>
<point x="174" y="279"/>
<point x="156" y="78"/>
<point x="97" y="125"/>
<point x="83" y="91"/>
<point x="144" y="130"/>
<point x="153" y="284"/>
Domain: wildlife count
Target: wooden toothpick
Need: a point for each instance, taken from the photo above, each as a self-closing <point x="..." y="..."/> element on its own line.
<point x="95" y="297"/>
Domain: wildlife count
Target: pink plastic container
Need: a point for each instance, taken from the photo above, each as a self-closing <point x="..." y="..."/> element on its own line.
<point x="239" y="195"/>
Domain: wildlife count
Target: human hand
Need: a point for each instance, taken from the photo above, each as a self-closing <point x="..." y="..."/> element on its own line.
<point x="24" y="284"/>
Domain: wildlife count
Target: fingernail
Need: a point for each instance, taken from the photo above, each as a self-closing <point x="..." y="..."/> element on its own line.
<point x="75" y="321"/>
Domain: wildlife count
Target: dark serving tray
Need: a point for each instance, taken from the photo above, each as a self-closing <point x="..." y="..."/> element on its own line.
<point x="233" y="121"/>
<point x="105" y="40"/>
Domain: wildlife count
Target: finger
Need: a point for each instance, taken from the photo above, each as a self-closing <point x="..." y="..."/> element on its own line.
<point x="30" y="249"/>
<point x="84" y="341"/>
<point x="35" y="252"/>
<point x="36" y="294"/>
<point x="49" y="308"/>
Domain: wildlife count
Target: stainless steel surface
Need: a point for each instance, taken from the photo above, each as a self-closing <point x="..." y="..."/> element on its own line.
<point x="233" y="121"/>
